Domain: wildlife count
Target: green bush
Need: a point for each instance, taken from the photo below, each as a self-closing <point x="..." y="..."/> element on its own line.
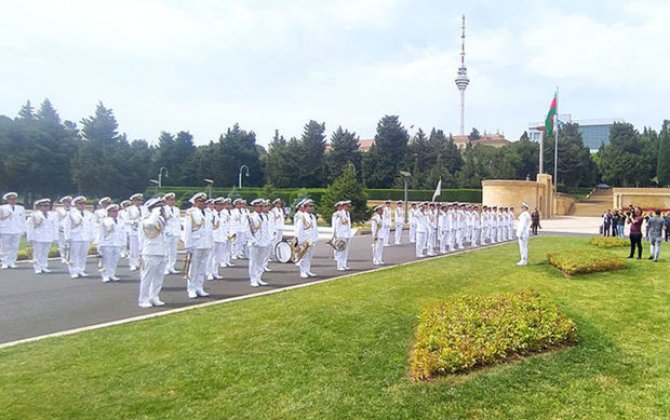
<point x="460" y="195"/>
<point x="608" y="242"/>
<point x="585" y="262"/>
<point x="474" y="331"/>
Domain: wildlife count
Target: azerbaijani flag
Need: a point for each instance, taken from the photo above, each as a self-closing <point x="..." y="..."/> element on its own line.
<point x="549" y="122"/>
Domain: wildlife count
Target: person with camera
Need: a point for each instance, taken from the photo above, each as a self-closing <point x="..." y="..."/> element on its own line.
<point x="635" y="220"/>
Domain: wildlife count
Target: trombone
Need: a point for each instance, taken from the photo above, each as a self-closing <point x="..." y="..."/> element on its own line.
<point x="187" y="265"/>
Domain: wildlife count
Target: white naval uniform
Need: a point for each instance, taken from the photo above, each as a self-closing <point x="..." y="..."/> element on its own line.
<point x="12" y="227"/>
<point x="378" y="237"/>
<point x="451" y="228"/>
<point x="197" y="237"/>
<point x="211" y="271"/>
<point x="522" y="232"/>
<point x="476" y="228"/>
<point x="172" y="233"/>
<point x="79" y="233"/>
<point x="42" y="231"/>
<point x="306" y="230"/>
<point x="386" y="219"/>
<point x="62" y="213"/>
<point x="259" y="241"/>
<point x="399" y="223"/>
<point x="432" y="232"/>
<point x="154" y="257"/>
<point x="220" y="241"/>
<point x="111" y="240"/>
<point x="134" y="216"/>
<point x="443" y="231"/>
<point x="484" y="220"/>
<point x="421" y="232"/>
<point x="342" y="232"/>
<point x="412" y="225"/>
<point x="277" y="224"/>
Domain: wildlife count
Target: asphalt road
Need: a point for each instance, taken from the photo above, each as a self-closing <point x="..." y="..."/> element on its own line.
<point x="32" y="305"/>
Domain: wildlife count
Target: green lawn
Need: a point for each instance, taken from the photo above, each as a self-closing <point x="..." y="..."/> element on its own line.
<point x="340" y="350"/>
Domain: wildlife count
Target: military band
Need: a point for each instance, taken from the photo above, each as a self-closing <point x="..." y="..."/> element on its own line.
<point x="216" y="231"/>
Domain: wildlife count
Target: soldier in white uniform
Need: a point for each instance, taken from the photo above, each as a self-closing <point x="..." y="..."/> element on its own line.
<point x="484" y="220"/>
<point x="123" y="216"/>
<point x="219" y="237"/>
<point x="236" y="221"/>
<point x="451" y="226"/>
<point x="270" y="230"/>
<point x="42" y="231"/>
<point x="154" y="254"/>
<point x="135" y="214"/>
<point x="399" y="222"/>
<point x="378" y="235"/>
<point x="79" y="233"/>
<point x="493" y="232"/>
<point x="342" y="232"/>
<point x="443" y="229"/>
<point x="386" y="218"/>
<point x="259" y="239"/>
<point x="522" y="232"/>
<point x="111" y="239"/>
<point x="476" y="226"/>
<point x="210" y="272"/>
<point x="62" y="212"/>
<point x="277" y="218"/>
<point x="422" y="228"/>
<point x="197" y="241"/>
<point x="172" y="231"/>
<point x="307" y="235"/>
<point x="12" y="227"/>
<point x="412" y="223"/>
<point x="226" y="221"/>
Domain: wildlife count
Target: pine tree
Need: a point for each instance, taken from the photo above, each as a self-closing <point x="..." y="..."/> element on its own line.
<point x="663" y="161"/>
<point x="345" y="187"/>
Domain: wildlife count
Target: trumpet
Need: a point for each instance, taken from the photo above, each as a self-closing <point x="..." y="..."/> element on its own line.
<point x="232" y="237"/>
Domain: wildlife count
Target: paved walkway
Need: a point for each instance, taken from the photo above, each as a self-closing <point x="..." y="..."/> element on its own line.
<point x="33" y="305"/>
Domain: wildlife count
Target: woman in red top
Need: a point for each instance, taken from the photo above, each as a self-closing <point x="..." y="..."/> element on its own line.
<point x="635" y="222"/>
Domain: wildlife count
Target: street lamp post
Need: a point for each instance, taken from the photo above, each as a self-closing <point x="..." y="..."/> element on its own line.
<point x="156" y="183"/>
<point x="210" y="183"/>
<point x="239" y="180"/>
<point x="160" y="176"/>
<point x="405" y="178"/>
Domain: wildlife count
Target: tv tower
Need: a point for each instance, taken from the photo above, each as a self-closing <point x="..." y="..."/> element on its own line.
<point x="462" y="80"/>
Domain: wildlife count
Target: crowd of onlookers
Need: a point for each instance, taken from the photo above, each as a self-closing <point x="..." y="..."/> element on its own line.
<point x="652" y="226"/>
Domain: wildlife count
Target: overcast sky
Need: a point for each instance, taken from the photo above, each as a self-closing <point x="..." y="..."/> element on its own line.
<point x="203" y="65"/>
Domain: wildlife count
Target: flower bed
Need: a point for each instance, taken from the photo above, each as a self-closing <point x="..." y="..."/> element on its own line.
<point x="472" y="331"/>
<point x="608" y="242"/>
<point x="585" y="262"/>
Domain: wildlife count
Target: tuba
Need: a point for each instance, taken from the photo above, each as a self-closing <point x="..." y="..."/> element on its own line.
<point x="337" y="244"/>
<point x="299" y="251"/>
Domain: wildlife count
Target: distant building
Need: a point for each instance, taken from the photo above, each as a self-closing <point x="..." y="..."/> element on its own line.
<point x="594" y="132"/>
<point x="364" y="145"/>
<point x="494" y="140"/>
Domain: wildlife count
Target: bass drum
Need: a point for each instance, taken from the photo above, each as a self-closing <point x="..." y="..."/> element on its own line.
<point x="283" y="252"/>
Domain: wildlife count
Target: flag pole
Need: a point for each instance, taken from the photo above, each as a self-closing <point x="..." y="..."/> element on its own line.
<point x="556" y="128"/>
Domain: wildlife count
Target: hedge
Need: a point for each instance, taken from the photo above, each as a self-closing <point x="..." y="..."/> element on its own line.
<point x="608" y="242"/>
<point x="585" y="262"/>
<point x="474" y="331"/>
<point x="460" y="195"/>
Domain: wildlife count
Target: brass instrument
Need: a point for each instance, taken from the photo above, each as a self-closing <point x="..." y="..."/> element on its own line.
<point x="337" y="244"/>
<point x="187" y="265"/>
<point x="232" y="237"/>
<point x="299" y="251"/>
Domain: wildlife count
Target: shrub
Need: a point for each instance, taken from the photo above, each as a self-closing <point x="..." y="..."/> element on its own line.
<point x="473" y="331"/>
<point x="608" y="242"/>
<point x="460" y="195"/>
<point x="585" y="262"/>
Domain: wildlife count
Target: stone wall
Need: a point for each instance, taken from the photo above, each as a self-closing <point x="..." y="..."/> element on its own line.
<point x="647" y="198"/>
<point x="511" y="193"/>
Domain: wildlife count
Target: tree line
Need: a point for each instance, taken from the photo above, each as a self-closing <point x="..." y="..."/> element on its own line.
<point x="41" y="155"/>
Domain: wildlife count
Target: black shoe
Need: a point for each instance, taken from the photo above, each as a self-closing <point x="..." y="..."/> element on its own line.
<point x="629" y="257"/>
<point x="639" y="258"/>
<point x="650" y="258"/>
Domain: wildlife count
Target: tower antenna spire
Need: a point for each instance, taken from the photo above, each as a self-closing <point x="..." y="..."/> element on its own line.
<point x="462" y="80"/>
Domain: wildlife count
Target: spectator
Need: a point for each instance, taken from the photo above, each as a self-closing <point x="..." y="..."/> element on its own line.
<point x="535" y="221"/>
<point x="615" y="223"/>
<point x="635" y="222"/>
<point x="607" y="222"/>
<point x="655" y="226"/>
